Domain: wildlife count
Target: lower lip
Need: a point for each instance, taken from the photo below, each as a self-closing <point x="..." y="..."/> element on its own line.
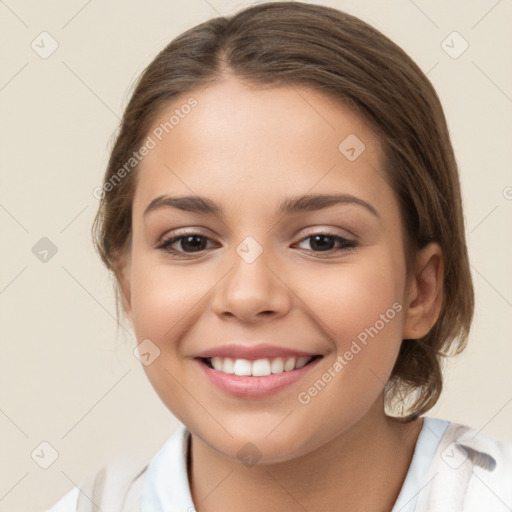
<point x="250" y="387"/>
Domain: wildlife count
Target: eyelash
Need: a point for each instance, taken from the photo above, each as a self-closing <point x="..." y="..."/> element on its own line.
<point x="347" y="245"/>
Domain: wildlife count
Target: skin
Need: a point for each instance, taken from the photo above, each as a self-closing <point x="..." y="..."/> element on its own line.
<point x="248" y="149"/>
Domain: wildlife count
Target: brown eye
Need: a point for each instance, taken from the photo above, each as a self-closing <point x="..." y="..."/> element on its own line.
<point x="327" y="242"/>
<point x="186" y="244"/>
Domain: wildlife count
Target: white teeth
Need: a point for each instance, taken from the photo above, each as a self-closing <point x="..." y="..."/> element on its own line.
<point x="229" y="366"/>
<point x="216" y="363"/>
<point x="277" y="365"/>
<point x="289" y="365"/>
<point x="260" y="367"/>
<point x="242" y="367"/>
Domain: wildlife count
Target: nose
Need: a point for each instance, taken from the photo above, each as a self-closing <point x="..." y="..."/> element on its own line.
<point x="253" y="290"/>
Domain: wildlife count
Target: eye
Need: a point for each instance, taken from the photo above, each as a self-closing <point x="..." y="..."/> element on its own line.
<point x="326" y="243"/>
<point x="190" y="243"/>
<point x="183" y="245"/>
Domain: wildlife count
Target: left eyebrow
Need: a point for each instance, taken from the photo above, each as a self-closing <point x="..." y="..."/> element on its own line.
<point x="317" y="202"/>
<point x="290" y="205"/>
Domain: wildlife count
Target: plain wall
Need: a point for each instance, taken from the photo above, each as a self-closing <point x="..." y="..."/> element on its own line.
<point x="65" y="376"/>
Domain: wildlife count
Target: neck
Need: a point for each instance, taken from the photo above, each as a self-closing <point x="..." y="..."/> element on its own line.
<point x="352" y="469"/>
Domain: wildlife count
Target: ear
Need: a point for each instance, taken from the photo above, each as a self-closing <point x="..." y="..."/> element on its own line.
<point x="123" y="277"/>
<point x="425" y="292"/>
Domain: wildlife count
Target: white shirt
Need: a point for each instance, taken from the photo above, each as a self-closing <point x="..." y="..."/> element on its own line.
<point x="454" y="468"/>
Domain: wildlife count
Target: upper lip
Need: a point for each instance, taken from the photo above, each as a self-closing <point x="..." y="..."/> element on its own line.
<point x="253" y="352"/>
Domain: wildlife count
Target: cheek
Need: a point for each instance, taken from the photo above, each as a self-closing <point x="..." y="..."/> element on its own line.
<point x="359" y="309"/>
<point x="165" y="304"/>
<point x="353" y="297"/>
<point x="163" y="296"/>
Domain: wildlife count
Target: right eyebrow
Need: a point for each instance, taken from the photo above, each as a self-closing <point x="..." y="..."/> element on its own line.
<point x="195" y="204"/>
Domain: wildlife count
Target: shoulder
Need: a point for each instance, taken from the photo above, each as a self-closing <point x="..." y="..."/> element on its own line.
<point x="115" y="487"/>
<point x="124" y="484"/>
<point x="484" y="453"/>
<point x="469" y="471"/>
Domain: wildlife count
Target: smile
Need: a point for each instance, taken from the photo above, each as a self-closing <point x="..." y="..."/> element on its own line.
<point x="259" y="367"/>
<point x="258" y="378"/>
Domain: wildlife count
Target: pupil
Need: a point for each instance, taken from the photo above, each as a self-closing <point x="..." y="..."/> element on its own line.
<point x="195" y="246"/>
<point x="320" y="246"/>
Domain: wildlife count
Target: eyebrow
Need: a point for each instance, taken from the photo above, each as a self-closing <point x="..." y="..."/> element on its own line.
<point x="290" y="205"/>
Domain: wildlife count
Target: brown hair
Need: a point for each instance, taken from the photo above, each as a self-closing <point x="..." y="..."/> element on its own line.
<point x="287" y="43"/>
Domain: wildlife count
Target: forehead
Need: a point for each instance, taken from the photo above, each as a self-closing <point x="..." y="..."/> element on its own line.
<point x="249" y="144"/>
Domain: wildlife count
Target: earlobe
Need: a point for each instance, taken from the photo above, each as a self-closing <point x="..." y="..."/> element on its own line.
<point x="425" y="294"/>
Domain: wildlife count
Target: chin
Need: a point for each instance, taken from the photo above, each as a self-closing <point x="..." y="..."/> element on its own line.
<point x="262" y="446"/>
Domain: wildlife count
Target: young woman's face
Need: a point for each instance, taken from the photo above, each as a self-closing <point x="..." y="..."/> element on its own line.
<point x="264" y="277"/>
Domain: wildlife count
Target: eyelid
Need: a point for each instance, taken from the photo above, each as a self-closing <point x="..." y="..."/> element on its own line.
<point x="347" y="244"/>
<point x="332" y="231"/>
<point x="195" y="230"/>
<point x="188" y="231"/>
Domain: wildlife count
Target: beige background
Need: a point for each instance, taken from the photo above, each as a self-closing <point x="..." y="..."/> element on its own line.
<point x="65" y="377"/>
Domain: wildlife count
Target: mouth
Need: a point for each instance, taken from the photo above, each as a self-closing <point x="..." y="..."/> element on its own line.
<point x="262" y="367"/>
<point x="257" y="378"/>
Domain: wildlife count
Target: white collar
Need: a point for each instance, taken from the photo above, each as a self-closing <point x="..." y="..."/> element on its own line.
<point x="166" y="487"/>
<point x="431" y="434"/>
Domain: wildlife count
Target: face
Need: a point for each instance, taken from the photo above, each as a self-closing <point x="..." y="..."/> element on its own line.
<point x="311" y="290"/>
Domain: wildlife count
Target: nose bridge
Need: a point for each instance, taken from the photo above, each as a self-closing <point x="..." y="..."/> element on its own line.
<point x="252" y="285"/>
